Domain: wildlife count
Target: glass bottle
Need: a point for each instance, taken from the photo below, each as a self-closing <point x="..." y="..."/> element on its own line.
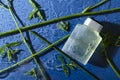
<point x="83" y="41"/>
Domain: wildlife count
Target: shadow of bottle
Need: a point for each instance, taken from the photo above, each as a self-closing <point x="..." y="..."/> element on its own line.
<point x="98" y="59"/>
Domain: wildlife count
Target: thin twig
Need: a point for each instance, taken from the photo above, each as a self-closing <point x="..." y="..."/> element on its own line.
<point x="99" y="4"/>
<point x="39" y="53"/>
<point x="3" y="6"/>
<point x="111" y="65"/>
<point x="72" y="16"/>
<point x="89" y="8"/>
<point x="23" y="38"/>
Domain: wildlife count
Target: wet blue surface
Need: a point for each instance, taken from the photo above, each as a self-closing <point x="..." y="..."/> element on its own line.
<point x="54" y="9"/>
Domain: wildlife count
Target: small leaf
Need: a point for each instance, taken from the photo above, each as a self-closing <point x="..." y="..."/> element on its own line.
<point x="32" y="73"/>
<point x="74" y="64"/>
<point x="67" y="25"/>
<point x="64" y="67"/>
<point x="66" y="70"/>
<point x="2" y="49"/>
<point x="13" y="44"/>
<point x="37" y="11"/>
<point x="71" y="66"/>
<point x="117" y="43"/>
<point x="9" y="55"/>
<point x="61" y="60"/>
<point x="40" y="15"/>
<point x="63" y="26"/>
<point x="31" y="15"/>
<point x="59" y="66"/>
<point x="13" y="52"/>
<point x="106" y="41"/>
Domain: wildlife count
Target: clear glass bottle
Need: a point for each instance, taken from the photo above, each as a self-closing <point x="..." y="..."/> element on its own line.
<point x="83" y="41"/>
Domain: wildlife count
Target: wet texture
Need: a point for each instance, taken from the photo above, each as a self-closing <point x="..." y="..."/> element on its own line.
<point x="54" y="9"/>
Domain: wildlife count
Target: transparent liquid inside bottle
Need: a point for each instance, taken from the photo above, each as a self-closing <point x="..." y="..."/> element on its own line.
<point x="82" y="43"/>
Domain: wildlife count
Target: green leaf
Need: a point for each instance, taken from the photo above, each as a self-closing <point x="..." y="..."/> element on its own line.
<point x="74" y="64"/>
<point x="71" y="66"/>
<point x="9" y="55"/>
<point x="31" y="15"/>
<point x="64" y="25"/>
<point x="67" y="25"/>
<point x="15" y="51"/>
<point x="117" y="43"/>
<point x="36" y="10"/>
<point x="2" y="49"/>
<point x="106" y="41"/>
<point x="66" y="70"/>
<point x="39" y="14"/>
<point x="59" y="66"/>
<point x="32" y="73"/>
<point x="64" y="67"/>
<point x="61" y="60"/>
<point x="14" y="44"/>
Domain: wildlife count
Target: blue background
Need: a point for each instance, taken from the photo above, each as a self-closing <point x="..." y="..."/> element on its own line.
<point x="54" y="9"/>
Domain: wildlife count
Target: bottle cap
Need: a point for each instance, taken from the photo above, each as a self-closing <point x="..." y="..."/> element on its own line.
<point x="93" y="24"/>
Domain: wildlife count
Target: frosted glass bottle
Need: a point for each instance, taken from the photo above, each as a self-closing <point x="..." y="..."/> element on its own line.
<point x="83" y="41"/>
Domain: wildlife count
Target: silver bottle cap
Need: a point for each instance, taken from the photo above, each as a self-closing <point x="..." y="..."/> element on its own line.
<point x="93" y="24"/>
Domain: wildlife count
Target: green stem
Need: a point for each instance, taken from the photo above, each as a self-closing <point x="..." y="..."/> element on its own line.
<point x="86" y="71"/>
<point x="111" y="65"/>
<point x="3" y="6"/>
<point x="57" y="49"/>
<point x="117" y="41"/>
<point x="37" y="62"/>
<point x="72" y="16"/>
<point x="36" y="54"/>
<point x="98" y="4"/>
<point x="89" y="8"/>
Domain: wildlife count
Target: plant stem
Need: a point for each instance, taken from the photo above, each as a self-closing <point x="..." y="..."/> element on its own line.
<point x="36" y="54"/>
<point x="57" y="49"/>
<point x="24" y="40"/>
<point x="89" y="8"/>
<point x="3" y="6"/>
<point x="72" y="16"/>
<point x="86" y="71"/>
<point x="111" y="65"/>
<point x="98" y="4"/>
<point x="117" y="43"/>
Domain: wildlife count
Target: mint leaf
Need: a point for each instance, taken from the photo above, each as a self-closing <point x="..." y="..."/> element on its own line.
<point x="36" y="11"/>
<point x="117" y="43"/>
<point x="66" y="70"/>
<point x="14" y="44"/>
<point x="31" y="15"/>
<point x="32" y="73"/>
<point x="71" y="66"/>
<point x="39" y="14"/>
<point x="64" y="25"/>
<point x="2" y="49"/>
<point x="9" y="55"/>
